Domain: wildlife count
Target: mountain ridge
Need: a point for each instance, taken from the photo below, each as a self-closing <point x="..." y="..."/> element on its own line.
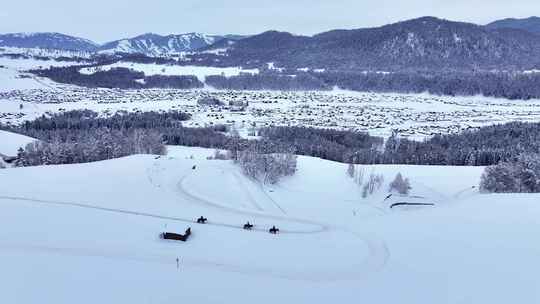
<point x="531" y="24"/>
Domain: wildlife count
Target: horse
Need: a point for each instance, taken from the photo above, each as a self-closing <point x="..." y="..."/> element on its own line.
<point x="274" y="230"/>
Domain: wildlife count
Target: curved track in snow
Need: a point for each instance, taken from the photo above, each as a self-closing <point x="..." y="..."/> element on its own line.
<point x="197" y="199"/>
<point x="375" y="258"/>
<point x="134" y="213"/>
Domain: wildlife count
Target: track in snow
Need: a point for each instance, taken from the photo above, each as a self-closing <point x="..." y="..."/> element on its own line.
<point x="377" y="252"/>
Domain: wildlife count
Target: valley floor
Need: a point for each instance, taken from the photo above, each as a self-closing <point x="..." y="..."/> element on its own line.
<point x="89" y="233"/>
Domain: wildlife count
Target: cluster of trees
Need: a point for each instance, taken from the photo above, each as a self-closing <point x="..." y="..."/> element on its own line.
<point x="328" y="144"/>
<point x="82" y="136"/>
<point x="480" y="147"/>
<point x="299" y="82"/>
<point x="90" y="145"/>
<point x="265" y="166"/>
<point x="520" y="175"/>
<point x="122" y="78"/>
<point x="495" y="84"/>
<point x="515" y="85"/>
<point x="71" y="122"/>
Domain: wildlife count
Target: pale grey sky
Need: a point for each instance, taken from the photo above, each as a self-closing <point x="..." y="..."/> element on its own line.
<point x="104" y="20"/>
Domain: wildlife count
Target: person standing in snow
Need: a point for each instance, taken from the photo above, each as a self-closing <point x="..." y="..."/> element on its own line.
<point x="177" y="263"/>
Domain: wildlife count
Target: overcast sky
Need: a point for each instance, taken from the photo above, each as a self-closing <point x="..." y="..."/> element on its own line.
<point x="104" y="20"/>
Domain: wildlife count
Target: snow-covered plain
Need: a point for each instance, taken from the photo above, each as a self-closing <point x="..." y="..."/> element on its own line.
<point x="88" y="233"/>
<point x="14" y="77"/>
<point x="161" y="69"/>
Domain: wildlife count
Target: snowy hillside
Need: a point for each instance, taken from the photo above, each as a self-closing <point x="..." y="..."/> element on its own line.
<point x="54" y="41"/>
<point x="49" y="53"/>
<point x="11" y="142"/>
<point x="13" y="75"/>
<point x="69" y="227"/>
<point x="157" y="45"/>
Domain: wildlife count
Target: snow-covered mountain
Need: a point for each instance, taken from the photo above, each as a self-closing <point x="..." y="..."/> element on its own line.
<point x="157" y="45"/>
<point x="44" y="44"/>
<point x="55" y="41"/>
<point x="423" y="43"/>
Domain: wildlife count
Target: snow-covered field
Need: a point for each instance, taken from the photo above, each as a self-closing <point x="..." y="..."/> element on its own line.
<point x="13" y="76"/>
<point x="88" y="233"/>
<point x="162" y="69"/>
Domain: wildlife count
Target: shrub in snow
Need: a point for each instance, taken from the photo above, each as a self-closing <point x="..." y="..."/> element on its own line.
<point x="373" y="184"/>
<point x="21" y="160"/>
<point x="400" y="185"/>
<point x="351" y="170"/>
<point x="359" y="175"/>
<point x="356" y="173"/>
<point x="221" y="155"/>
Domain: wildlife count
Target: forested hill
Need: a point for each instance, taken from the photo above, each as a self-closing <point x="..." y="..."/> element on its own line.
<point x="424" y="43"/>
<point x="531" y="24"/>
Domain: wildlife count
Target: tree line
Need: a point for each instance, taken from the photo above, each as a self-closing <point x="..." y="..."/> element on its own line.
<point x="480" y="147"/>
<point x="122" y="78"/>
<point x="501" y="84"/>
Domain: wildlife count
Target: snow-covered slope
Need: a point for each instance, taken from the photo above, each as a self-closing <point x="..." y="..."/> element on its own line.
<point x="13" y="75"/>
<point x="157" y="45"/>
<point x="11" y="142"/>
<point x="54" y="41"/>
<point x="88" y="233"/>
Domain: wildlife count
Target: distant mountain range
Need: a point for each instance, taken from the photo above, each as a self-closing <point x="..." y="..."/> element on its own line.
<point x="531" y="24"/>
<point x="423" y="43"/>
<point x="156" y="45"/>
<point x="54" y="41"/>
<point x="148" y="44"/>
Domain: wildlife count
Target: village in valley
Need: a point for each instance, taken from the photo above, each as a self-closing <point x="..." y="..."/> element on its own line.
<point x="411" y="115"/>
